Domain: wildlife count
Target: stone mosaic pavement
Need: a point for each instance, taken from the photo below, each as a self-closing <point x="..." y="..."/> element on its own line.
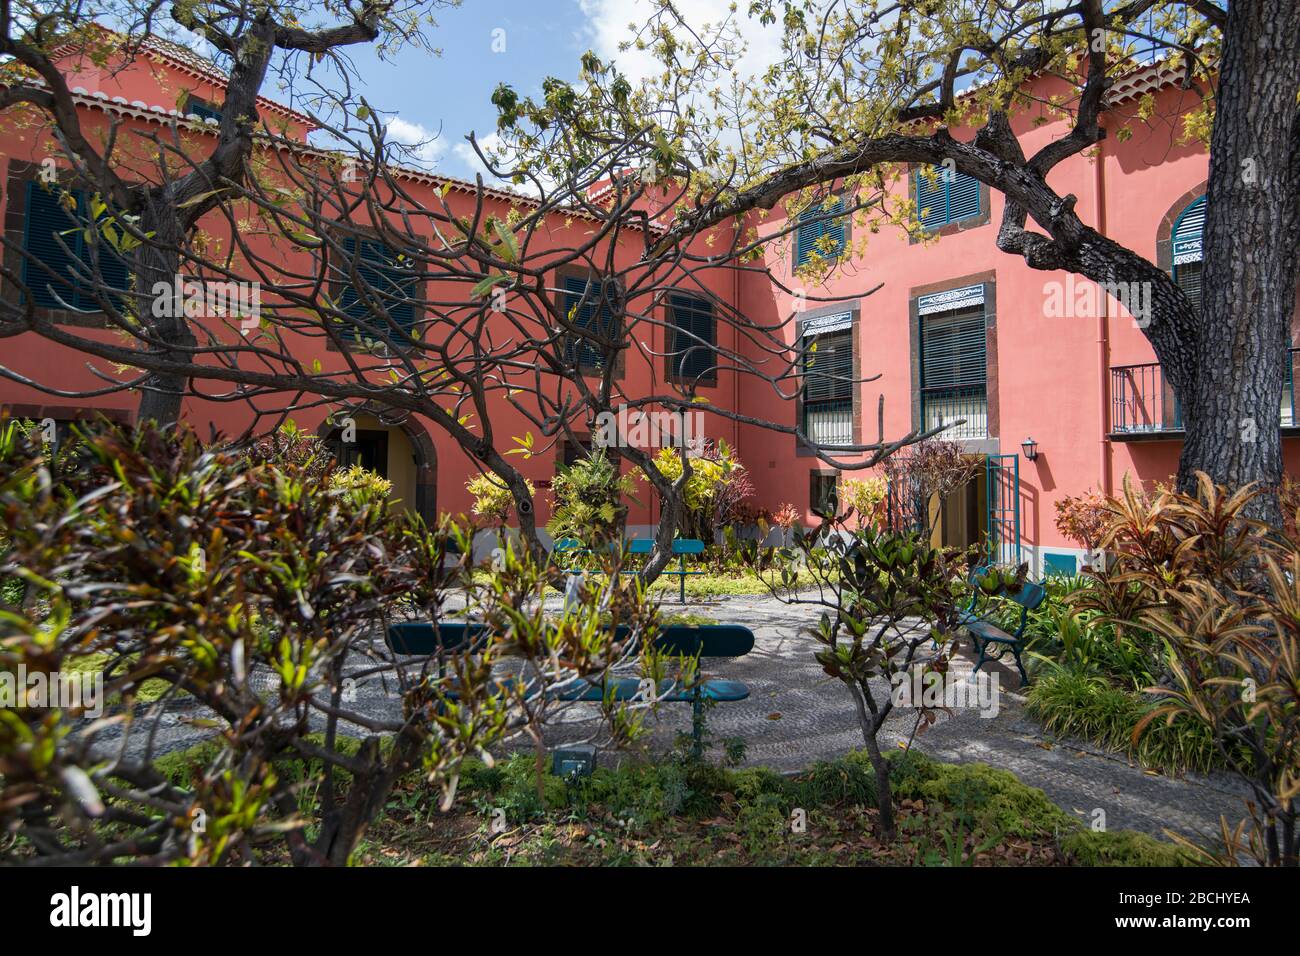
<point x="797" y="715"/>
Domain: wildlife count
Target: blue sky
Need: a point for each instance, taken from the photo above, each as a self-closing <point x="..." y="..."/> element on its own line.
<point x="450" y="95"/>
<point x="432" y="103"/>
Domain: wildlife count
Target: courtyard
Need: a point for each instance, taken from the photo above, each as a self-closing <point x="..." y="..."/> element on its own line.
<point x="796" y="716"/>
<point x="852" y="437"/>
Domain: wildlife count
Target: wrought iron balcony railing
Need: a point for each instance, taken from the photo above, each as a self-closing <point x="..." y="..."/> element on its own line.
<point x="942" y="405"/>
<point x="1143" y="403"/>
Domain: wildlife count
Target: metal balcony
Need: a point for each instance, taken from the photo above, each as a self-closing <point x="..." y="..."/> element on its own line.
<point x="1143" y="406"/>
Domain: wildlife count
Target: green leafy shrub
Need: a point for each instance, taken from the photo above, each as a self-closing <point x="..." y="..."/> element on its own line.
<point x="645" y="794"/>
<point x="866" y="496"/>
<point x="589" y="500"/>
<point x="1121" y="848"/>
<point x="715" y="490"/>
<point x="1084" y="641"/>
<point x="848" y="780"/>
<point x="360" y="487"/>
<point x="518" y="792"/>
<point x="985" y="799"/>
<point x="492" y="499"/>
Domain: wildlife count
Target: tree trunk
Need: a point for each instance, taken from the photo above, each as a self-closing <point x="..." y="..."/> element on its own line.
<point x="158" y="265"/>
<point x="884" y="791"/>
<point x="1231" y="404"/>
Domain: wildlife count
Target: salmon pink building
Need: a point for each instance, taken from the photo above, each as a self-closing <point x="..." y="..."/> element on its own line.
<point x="1052" y="378"/>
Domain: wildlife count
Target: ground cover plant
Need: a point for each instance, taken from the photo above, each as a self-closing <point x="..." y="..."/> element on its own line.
<point x="681" y="812"/>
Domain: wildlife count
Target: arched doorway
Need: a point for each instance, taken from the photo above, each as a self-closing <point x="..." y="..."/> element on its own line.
<point x="393" y="445"/>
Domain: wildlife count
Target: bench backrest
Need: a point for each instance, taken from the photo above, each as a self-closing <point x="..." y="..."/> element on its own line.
<point x="568" y="544"/>
<point x="705" y="640"/>
<point x="421" y="638"/>
<point x="1029" y="596"/>
<point x="680" y="546"/>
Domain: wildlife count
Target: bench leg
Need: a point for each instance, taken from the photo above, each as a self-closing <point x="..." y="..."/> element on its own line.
<point x="979" y="646"/>
<point x="682" y="577"/>
<point x="1024" y="678"/>
<point x="697" y="726"/>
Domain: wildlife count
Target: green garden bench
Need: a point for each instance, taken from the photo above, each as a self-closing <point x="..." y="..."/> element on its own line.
<point x="681" y="548"/>
<point x="989" y="638"/>
<point x="706" y="641"/>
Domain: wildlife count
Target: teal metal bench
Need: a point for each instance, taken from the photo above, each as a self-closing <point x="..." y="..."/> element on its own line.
<point x="681" y="548"/>
<point x="989" y="638"/>
<point x="708" y="641"/>
<point x="423" y="639"/>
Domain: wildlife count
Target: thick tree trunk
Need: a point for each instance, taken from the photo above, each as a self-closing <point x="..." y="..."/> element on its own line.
<point x="158" y="264"/>
<point x="1231" y="404"/>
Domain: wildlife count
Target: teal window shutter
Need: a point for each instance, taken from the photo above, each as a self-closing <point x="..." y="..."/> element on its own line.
<point x="942" y="199"/>
<point x="201" y="108"/>
<point x="813" y="227"/>
<point x="48" y="220"/>
<point x="828" y="368"/>
<point x="1187" y="250"/>
<point x="953" y="350"/>
<point x="963" y="197"/>
<point x="592" y="312"/>
<point x="931" y="200"/>
<point x="693" y="329"/>
<point x="390" y="283"/>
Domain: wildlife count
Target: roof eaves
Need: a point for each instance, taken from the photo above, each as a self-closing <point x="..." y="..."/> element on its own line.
<point x="138" y="109"/>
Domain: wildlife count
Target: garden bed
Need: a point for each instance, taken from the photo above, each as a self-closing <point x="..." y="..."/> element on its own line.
<point x="677" y="812"/>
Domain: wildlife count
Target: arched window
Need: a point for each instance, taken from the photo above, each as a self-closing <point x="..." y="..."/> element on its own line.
<point x="1186" y="241"/>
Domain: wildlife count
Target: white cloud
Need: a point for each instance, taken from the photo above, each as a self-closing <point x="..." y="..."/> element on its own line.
<point x="490" y="144"/>
<point x="607" y="27"/>
<point x="418" y="144"/>
<point x="493" y="146"/>
<point x="608" y="21"/>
